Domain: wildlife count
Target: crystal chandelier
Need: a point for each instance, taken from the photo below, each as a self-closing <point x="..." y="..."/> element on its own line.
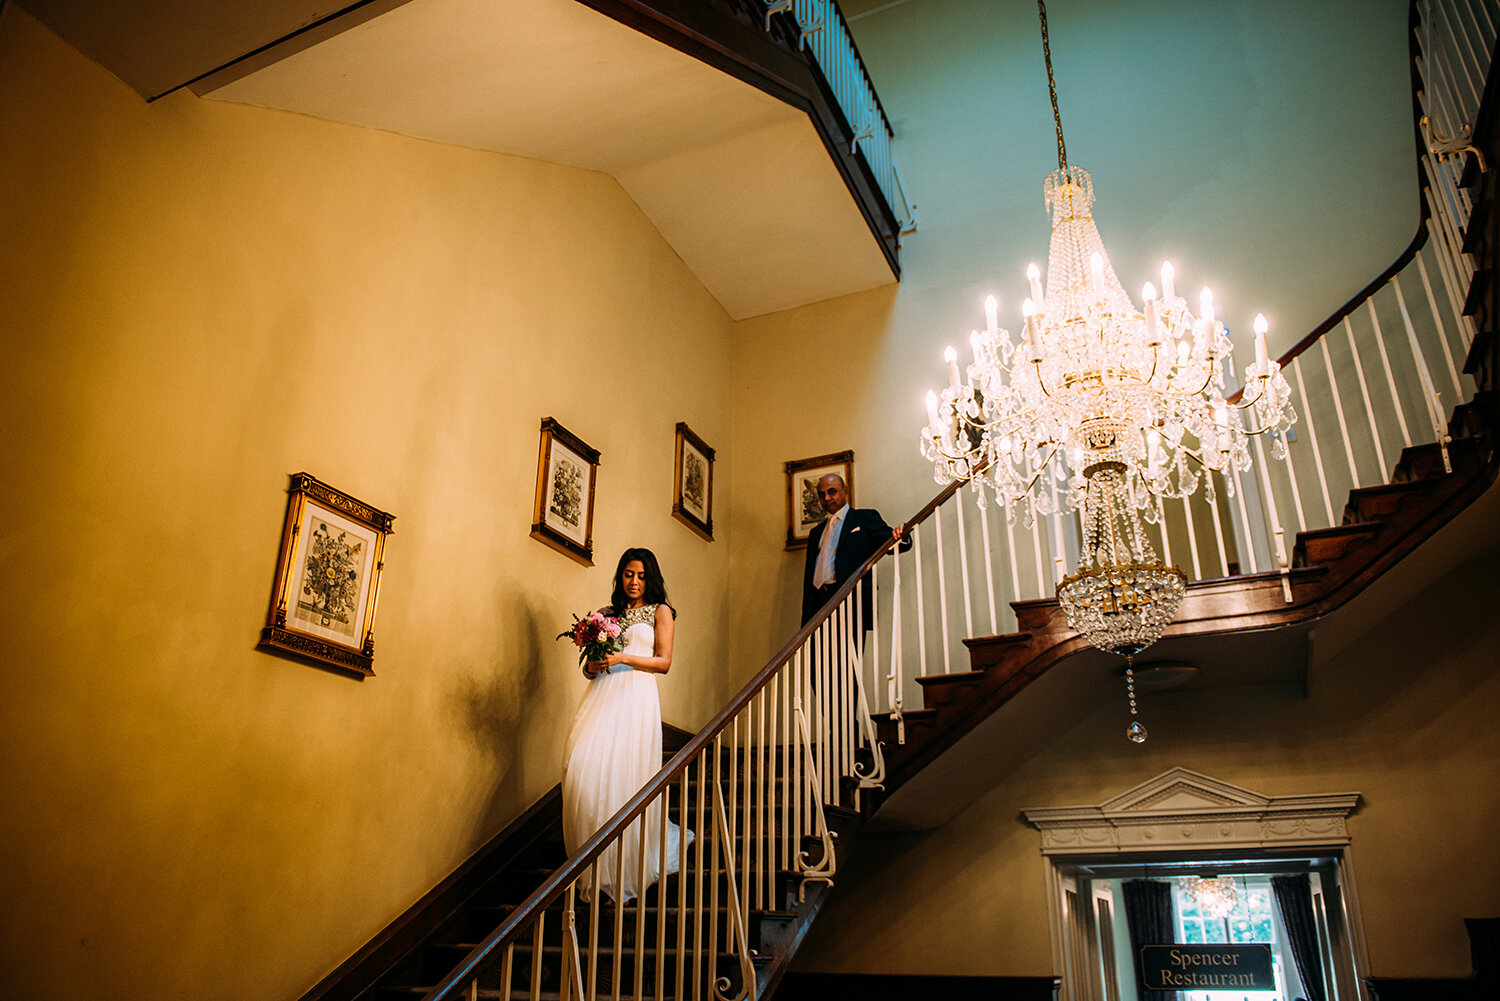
<point x="1217" y="897"/>
<point x="1123" y="406"/>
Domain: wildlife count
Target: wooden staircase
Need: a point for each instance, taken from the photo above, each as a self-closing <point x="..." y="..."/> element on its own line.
<point x="1381" y="525"/>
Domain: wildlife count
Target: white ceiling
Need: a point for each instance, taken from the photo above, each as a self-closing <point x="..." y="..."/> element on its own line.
<point x="737" y="182"/>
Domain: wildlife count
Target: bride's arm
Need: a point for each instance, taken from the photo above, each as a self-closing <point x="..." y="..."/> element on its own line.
<point x="660" y="660"/>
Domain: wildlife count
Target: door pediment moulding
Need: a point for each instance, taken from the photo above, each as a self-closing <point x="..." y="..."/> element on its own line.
<point x="1183" y="809"/>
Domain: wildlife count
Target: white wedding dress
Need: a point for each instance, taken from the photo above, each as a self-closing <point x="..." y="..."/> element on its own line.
<point x="613" y="750"/>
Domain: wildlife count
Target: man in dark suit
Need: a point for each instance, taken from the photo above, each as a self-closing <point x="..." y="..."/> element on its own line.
<point x="836" y="548"/>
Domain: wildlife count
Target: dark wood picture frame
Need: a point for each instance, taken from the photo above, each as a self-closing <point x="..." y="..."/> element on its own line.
<point x="803" y="509"/>
<point x="693" y="488"/>
<point x="327" y="580"/>
<point x="566" y="471"/>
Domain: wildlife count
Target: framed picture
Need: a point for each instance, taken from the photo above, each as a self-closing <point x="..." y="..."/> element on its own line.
<point x="327" y="577"/>
<point x="803" y="509"/>
<point x="693" y="494"/>
<point x="564" y="513"/>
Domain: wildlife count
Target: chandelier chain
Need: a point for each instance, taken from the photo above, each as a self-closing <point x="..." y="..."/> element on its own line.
<point x="1062" y="151"/>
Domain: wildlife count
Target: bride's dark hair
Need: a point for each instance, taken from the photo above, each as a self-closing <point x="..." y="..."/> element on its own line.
<point x="656" y="584"/>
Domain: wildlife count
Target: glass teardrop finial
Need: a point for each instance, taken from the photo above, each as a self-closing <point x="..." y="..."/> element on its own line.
<point x="1136" y="732"/>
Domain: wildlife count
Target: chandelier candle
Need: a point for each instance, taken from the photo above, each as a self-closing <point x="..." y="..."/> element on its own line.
<point x="1125" y="406"/>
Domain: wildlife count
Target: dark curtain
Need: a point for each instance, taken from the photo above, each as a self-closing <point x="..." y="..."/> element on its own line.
<point x="1148" y="915"/>
<point x="1294" y="900"/>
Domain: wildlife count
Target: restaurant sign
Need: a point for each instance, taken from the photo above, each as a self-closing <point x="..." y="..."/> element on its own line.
<point x="1207" y="967"/>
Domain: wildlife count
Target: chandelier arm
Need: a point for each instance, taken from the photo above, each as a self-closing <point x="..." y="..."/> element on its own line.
<point x="1025" y="417"/>
<point x="1254" y="432"/>
<point x="1156" y="364"/>
<point x="1208" y="377"/>
<point x="1263" y="380"/>
<point x="937" y="444"/>
<point x="1039" y="381"/>
<point x="1191" y="453"/>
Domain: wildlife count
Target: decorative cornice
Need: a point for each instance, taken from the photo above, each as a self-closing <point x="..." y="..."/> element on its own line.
<point x="1182" y="809"/>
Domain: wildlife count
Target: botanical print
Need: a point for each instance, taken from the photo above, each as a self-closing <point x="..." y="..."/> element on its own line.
<point x="330" y="580"/>
<point x="567" y="492"/>
<point x="694" y="483"/>
<point x="812" y="507"/>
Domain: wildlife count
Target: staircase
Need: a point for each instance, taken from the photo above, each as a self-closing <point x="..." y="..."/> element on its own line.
<point x="779" y="784"/>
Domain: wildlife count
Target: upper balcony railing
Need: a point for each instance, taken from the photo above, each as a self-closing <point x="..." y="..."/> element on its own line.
<point x="825" y="35"/>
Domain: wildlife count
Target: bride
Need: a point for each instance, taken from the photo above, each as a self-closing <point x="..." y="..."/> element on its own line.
<point x="615" y="744"/>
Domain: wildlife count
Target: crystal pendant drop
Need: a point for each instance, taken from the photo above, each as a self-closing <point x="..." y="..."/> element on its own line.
<point x="1135" y="732"/>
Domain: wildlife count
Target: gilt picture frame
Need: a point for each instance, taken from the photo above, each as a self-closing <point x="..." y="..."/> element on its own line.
<point x="804" y="511"/>
<point x="327" y="581"/>
<point x="693" y="487"/>
<point x="563" y="517"/>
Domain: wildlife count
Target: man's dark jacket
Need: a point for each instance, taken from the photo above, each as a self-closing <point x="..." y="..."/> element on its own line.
<point x="864" y="532"/>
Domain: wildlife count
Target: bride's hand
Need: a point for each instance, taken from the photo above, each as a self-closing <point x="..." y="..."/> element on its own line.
<point x="595" y="668"/>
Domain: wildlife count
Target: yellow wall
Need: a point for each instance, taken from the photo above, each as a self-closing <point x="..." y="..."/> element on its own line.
<point x="198" y="299"/>
<point x="1404" y="716"/>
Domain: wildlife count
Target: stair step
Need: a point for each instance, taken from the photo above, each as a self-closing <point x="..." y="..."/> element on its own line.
<point x="1368" y="504"/>
<point x="992" y="651"/>
<point x="1328" y="545"/>
<point x="940" y="689"/>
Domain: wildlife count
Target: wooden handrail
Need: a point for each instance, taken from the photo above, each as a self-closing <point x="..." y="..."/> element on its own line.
<point x="552" y="888"/>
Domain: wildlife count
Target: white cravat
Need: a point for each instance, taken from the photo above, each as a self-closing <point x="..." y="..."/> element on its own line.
<point x="823" y="572"/>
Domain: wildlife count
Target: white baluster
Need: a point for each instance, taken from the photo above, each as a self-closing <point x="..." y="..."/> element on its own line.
<point x="1187" y="513"/>
<point x="1249" y="541"/>
<point x="897" y="699"/>
<point x="1014" y="557"/>
<point x="1466" y="328"/>
<point x="916" y="543"/>
<point x="1312" y="437"/>
<point x="963" y="562"/>
<point x="1434" y="404"/>
<point x="1276" y="531"/>
<point x="989" y="568"/>
<point x="1442" y="331"/>
<point x="1364" y="389"/>
<point x="1390" y="378"/>
<point x="1338" y="406"/>
<point x="1219" y="530"/>
<point x="937" y="522"/>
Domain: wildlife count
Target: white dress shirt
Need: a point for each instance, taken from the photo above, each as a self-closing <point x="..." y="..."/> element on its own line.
<point x="823" y="572"/>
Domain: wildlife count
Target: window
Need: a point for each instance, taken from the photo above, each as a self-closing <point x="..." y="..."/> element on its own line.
<point x="1253" y="920"/>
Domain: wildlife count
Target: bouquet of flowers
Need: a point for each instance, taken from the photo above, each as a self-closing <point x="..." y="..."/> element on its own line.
<point x="596" y="636"/>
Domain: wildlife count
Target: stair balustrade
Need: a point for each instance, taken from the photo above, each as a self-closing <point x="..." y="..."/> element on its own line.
<point x="757" y="787"/>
